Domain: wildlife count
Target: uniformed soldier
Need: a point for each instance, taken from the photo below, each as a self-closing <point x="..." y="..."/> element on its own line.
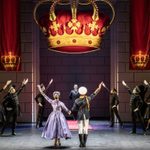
<point x="2" y="115"/>
<point x="113" y="107"/>
<point x="74" y="94"/>
<point x="82" y="105"/>
<point x="40" y="100"/>
<point x="135" y="106"/>
<point x="12" y="107"/>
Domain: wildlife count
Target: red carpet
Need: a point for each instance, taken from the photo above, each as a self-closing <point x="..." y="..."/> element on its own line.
<point x="73" y="125"/>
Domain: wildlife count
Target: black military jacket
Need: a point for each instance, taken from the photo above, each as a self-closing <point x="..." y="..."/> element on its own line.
<point x="74" y="95"/>
<point x="114" y="99"/>
<point x="11" y="100"/>
<point x="40" y="99"/>
<point x="80" y="105"/>
<point x="135" y="100"/>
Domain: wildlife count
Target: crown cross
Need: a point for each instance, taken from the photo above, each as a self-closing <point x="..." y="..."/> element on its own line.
<point x="74" y="24"/>
<point x="55" y="26"/>
<point x="93" y="25"/>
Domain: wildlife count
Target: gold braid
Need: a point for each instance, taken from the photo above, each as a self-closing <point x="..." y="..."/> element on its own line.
<point x="87" y="101"/>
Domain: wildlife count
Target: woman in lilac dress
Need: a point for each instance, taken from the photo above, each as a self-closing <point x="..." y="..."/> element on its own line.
<point x="56" y="126"/>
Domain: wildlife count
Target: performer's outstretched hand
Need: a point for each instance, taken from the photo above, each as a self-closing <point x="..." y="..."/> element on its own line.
<point x="39" y="88"/>
<point x="145" y="82"/>
<point x="123" y="82"/>
<point x="69" y="112"/>
<point x="40" y="104"/>
<point x="98" y="89"/>
<point x="100" y="85"/>
<point x="25" y="81"/>
<point x="50" y="82"/>
<point x="103" y="84"/>
<point x="7" y="83"/>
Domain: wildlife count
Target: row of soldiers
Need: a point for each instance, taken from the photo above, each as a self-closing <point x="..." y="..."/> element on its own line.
<point x="140" y="106"/>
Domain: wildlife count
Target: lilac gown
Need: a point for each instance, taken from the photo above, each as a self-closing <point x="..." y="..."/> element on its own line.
<point x="56" y="125"/>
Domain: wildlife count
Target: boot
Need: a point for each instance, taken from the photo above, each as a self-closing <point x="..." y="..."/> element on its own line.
<point x="121" y="124"/>
<point x="40" y="125"/>
<point x="81" y="140"/>
<point x="111" y="125"/>
<point x="13" y="132"/>
<point x="132" y="132"/>
<point x="37" y="124"/>
<point x="2" y="130"/>
<point x="85" y="139"/>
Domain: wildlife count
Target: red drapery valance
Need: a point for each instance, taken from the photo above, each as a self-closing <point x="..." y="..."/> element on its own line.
<point x="10" y="50"/>
<point x="140" y="35"/>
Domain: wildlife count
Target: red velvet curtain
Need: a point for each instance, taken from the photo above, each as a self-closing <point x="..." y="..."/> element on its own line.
<point x="140" y="35"/>
<point x="10" y="50"/>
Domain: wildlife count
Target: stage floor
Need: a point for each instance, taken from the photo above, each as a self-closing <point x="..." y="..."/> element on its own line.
<point x="101" y="137"/>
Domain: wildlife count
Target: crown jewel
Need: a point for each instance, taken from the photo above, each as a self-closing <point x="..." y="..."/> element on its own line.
<point x="74" y="31"/>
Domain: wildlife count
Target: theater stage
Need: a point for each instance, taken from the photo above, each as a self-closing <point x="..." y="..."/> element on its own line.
<point x="101" y="137"/>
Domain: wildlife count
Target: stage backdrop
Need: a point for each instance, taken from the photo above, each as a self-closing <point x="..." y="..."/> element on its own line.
<point x="140" y="35"/>
<point x="9" y="35"/>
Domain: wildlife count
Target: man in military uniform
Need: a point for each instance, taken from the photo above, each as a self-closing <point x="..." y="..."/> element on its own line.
<point x="147" y="111"/>
<point x="135" y="105"/>
<point x="113" y="107"/>
<point x="11" y="106"/>
<point x="74" y="94"/>
<point x="82" y="105"/>
<point x="2" y="115"/>
<point x="40" y="100"/>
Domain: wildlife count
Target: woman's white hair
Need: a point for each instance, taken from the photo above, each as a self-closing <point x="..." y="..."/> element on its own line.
<point x="56" y="93"/>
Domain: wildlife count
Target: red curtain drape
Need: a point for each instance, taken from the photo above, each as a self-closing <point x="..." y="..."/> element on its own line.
<point x="10" y="50"/>
<point x="140" y="35"/>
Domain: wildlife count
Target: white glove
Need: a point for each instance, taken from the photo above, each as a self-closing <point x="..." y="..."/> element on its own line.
<point x="8" y="82"/>
<point x="145" y="82"/>
<point x="25" y="81"/>
<point x="135" y="110"/>
<point x="51" y="81"/>
<point x="40" y="105"/>
<point x="69" y="112"/>
<point x="39" y="88"/>
<point x="103" y="84"/>
<point x="123" y="82"/>
<point x="114" y="106"/>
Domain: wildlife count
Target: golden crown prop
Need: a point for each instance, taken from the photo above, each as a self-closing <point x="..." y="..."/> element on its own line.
<point x="10" y="61"/>
<point x="139" y="60"/>
<point x="74" y="31"/>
